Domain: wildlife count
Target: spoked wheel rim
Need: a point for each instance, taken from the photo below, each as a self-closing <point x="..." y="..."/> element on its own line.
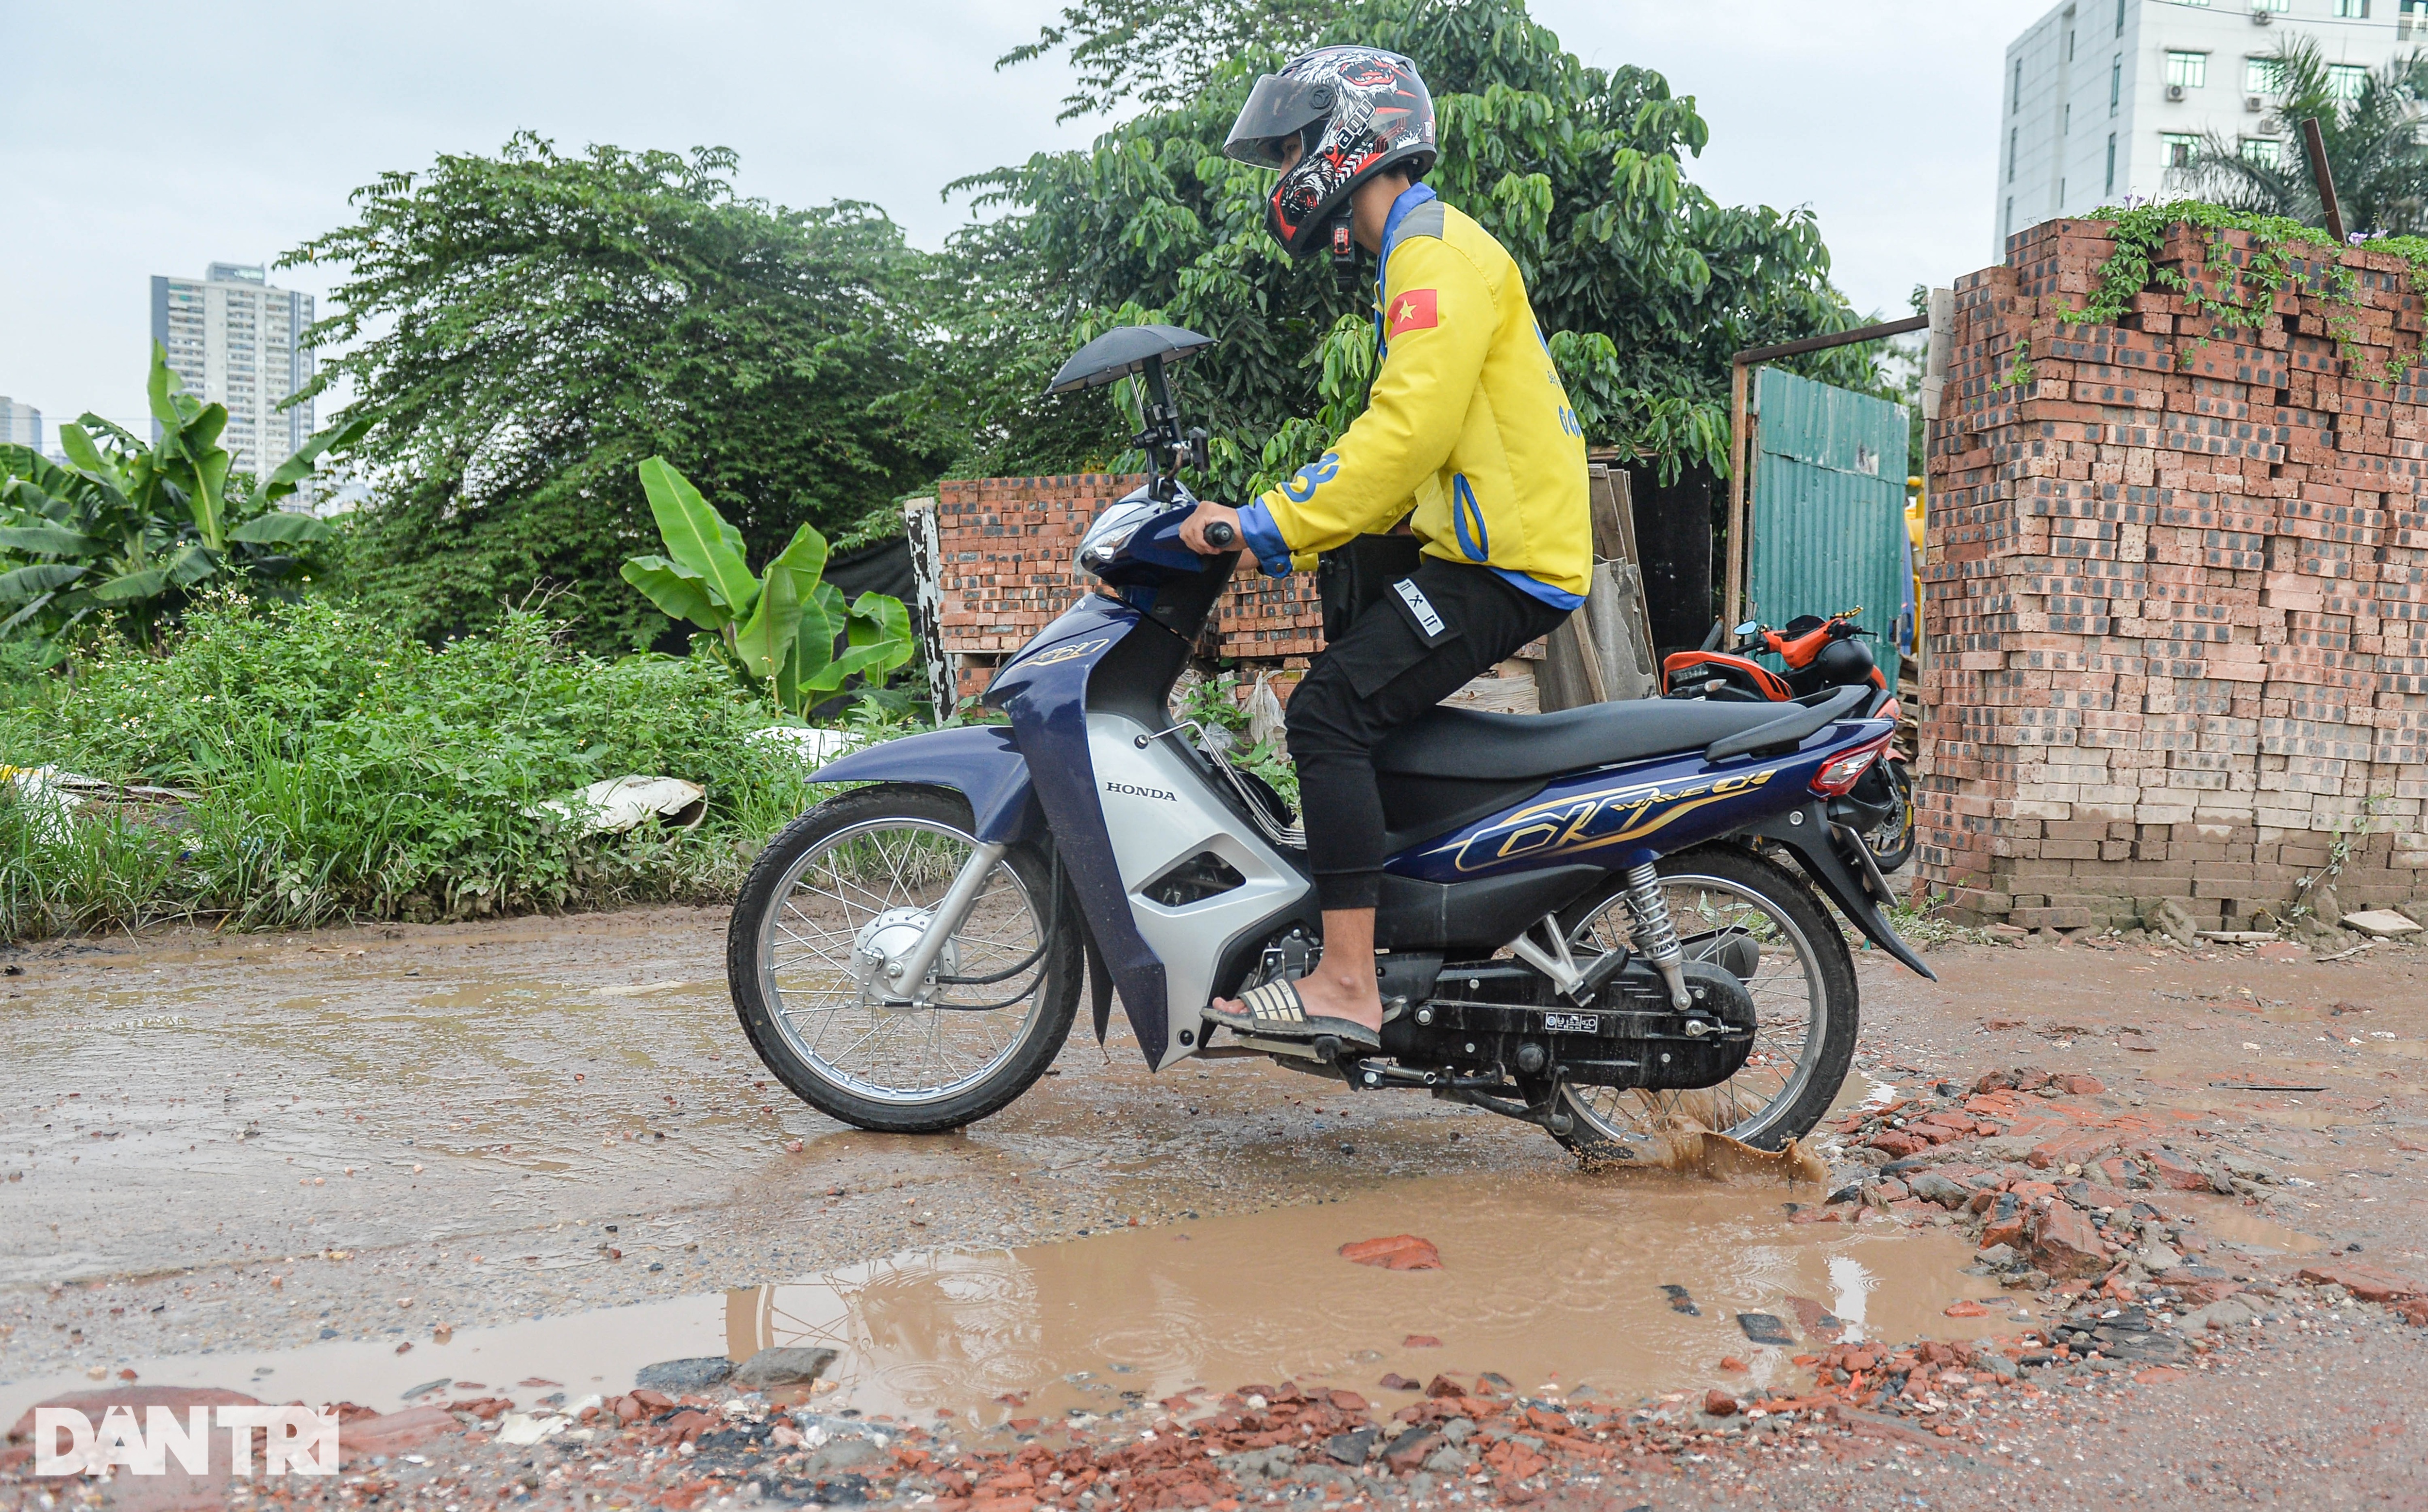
<point x="1722" y="922"/>
<point x="1894" y="832"/>
<point x="867" y="890"/>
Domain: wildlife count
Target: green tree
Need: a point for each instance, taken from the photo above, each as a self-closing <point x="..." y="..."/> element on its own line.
<point x="1161" y="52"/>
<point x="1645" y="285"/>
<point x="2368" y="121"/>
<point x="524" y="329"/>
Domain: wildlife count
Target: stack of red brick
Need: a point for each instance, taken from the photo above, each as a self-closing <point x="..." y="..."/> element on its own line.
<point x="2176" y="592"/>
<point x="1007" y="565"/>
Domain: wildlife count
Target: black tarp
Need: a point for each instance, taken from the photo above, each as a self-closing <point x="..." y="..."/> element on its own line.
<point x="1675" y="526"/>
<point x="880" y="566"/>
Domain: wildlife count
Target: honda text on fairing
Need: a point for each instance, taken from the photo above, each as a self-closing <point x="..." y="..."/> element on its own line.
<point x="1589" y="919"/>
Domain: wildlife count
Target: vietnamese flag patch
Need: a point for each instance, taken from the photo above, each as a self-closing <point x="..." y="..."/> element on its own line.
<point x="1412" y="310"/>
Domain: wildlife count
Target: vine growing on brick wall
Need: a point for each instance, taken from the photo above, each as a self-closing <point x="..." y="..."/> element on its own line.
<point x="2243" y="297"/>
<point x="2018" y="374"/>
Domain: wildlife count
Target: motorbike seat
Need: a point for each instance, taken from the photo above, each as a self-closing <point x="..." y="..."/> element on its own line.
<point x="1469" y="743"/>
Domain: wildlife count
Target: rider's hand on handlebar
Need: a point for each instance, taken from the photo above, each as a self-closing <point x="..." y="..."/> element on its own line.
<point x="1193" y="529"/>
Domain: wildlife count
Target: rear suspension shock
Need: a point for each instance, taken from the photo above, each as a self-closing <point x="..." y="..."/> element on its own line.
<point x="1656" y="936"/>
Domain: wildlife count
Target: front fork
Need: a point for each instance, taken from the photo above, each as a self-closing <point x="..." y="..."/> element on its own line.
<point x="906" y="974"/>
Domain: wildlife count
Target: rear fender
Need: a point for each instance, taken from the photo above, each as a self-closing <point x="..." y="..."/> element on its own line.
<point x="1855" y="886"/>
<point x="979" y="762"/>
<point x="1682" y="669"/>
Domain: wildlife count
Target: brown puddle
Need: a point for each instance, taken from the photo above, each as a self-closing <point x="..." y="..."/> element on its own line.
<point x="1555" y="1282"/>
<point x="2240" y="1226"/>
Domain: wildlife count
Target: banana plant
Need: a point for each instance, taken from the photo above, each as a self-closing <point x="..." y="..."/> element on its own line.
<point x="777" y="628"/>
<point x="127" y="528"/>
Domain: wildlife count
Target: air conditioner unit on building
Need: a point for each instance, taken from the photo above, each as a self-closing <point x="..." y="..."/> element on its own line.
<point x="2174" y="91"/>
<point x="2262" y="18"/>
<point x="2255" y="103"/>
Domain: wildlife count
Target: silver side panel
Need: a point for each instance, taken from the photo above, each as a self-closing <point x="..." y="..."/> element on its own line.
<point x="1159" y="811"/>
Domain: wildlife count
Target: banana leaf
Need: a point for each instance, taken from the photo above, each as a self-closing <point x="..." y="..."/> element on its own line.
<point x="766" y="641"/>
<point x="46" y="540"/>
<point x="281" y="526"/>
<point x="698" y="537"/>
<point x="192" y="565"/>
<point x="678" y="592"/>
<point x="129" y="586"/>
<point x="39" y="579"/>
<point x="296" y="469"/>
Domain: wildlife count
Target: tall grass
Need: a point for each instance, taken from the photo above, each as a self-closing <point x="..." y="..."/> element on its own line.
<point x="345" y="771"/>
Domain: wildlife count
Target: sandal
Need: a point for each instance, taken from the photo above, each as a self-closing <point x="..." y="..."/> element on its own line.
<point x="1275" y="1012"/>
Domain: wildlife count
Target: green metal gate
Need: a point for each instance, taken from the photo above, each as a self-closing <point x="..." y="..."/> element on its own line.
<point x="1827" y="527"/>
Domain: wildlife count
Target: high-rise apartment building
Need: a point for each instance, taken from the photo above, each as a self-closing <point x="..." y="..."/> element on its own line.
<point x="19" y="424"/>
<point x="234" y="339"/>
<point x="2100" y="99"/>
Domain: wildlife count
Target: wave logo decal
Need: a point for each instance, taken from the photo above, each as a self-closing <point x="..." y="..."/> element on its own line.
<point x="1069" y="653"/>
<point x="1590" y="821"/>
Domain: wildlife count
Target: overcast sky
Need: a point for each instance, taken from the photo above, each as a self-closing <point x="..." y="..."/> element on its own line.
<point x="143" y="141"/>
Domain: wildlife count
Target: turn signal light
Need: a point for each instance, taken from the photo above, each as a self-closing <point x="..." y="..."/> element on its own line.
<point x="1841" y="771"/>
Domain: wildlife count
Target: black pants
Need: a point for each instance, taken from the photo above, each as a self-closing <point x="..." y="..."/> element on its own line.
<point x="1390" y="667"/>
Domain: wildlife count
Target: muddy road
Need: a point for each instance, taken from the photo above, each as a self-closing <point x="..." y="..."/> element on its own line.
<point x="352" y="1164"/>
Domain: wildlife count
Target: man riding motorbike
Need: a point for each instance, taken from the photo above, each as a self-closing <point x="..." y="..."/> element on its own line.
<point x="1468" y="436"/>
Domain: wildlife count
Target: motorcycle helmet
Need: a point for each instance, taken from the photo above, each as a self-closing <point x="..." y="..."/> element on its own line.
<point x="1844" y="663"/>
<point x="1360" y="110"/>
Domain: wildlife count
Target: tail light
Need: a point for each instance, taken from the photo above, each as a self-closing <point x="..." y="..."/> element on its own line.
<point x="1841" y="771"/>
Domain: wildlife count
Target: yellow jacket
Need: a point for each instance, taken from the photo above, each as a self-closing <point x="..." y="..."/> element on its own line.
<point x="1467" y="424"/>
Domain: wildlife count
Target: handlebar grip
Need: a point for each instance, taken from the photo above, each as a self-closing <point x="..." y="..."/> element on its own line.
<point x="1220" y="536"/>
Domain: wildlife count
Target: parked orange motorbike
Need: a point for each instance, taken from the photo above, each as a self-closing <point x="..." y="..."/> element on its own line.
<point x="1816" y="655"/>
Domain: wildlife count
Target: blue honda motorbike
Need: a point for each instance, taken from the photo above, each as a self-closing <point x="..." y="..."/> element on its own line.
<point x="1607" y="922"/>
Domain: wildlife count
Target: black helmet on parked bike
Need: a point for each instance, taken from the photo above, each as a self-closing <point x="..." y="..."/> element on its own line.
<point x="1374" y="113"/>
<point x="1841" y="664"/>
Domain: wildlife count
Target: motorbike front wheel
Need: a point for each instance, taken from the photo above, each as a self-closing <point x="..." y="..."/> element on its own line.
<point x="1738" y="911"/>
<point x="854" y="882"/>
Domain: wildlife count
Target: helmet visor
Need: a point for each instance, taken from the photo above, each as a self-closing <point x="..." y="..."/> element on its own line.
<point x="1277" y="107"/>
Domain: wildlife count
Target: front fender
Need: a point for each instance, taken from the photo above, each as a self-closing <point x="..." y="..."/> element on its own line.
<point x="979" y="762"/>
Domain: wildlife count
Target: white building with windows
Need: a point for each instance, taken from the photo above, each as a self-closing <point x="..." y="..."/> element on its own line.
<point x="234" y="339"/>
<point x="2100" y="98"/>
<point x="19" y="424"/>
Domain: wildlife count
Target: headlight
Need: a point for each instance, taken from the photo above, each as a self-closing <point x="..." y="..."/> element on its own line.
<point x="1112" y="531"/>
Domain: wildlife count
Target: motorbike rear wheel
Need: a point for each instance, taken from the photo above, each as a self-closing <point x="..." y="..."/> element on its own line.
<point x="1891" y="842"/>
<point x="1739" y="911"/>
<point x="853" y="881"/>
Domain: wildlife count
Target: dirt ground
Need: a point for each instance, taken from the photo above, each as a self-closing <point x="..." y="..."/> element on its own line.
<point x="363" y="1164"/>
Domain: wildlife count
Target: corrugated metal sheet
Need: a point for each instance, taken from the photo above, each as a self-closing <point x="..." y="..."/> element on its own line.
<point x="1827" y="518"/>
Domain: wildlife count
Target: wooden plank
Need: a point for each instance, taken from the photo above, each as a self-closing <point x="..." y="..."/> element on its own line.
<point x="1623" y="632"/>
<point x="1573" y="671"/>
<point x="1740" y="460"/>
<point x="1614" y="528"/>
<point x="1623" y="506"/>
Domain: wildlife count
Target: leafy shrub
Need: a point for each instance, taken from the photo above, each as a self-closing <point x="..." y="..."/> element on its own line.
<point x="346" y="770"/>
